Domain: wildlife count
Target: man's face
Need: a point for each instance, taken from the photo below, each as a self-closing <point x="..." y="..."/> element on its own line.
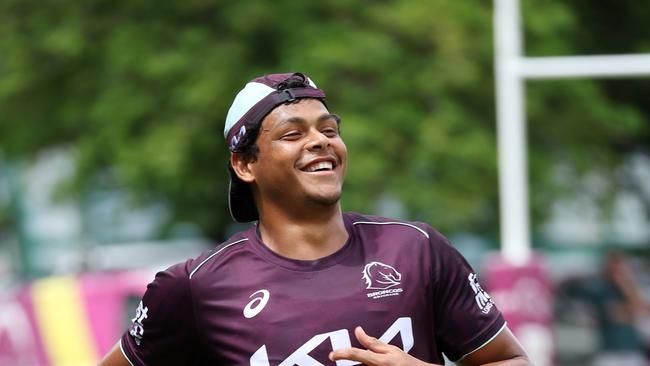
<point x="302" y="158"/>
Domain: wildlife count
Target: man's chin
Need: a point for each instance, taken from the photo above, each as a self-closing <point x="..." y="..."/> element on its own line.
<point x="325" y="200"/>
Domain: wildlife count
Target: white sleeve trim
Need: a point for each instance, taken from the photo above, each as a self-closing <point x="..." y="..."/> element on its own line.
<point x="484" y="343"/>
<point x="124" y="353"/>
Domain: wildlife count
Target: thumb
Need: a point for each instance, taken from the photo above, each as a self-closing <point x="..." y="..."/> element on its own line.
<point x="370" y="343"/>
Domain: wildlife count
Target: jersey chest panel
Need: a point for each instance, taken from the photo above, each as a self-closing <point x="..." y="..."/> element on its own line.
<point x="277" y="316"/>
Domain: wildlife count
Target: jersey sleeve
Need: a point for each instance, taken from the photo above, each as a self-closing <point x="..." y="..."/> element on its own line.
<point x="163" y="330"/>
<point x="465" y="316"/>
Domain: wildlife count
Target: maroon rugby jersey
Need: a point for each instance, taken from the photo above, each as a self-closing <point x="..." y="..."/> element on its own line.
<point x="242" y="304"/>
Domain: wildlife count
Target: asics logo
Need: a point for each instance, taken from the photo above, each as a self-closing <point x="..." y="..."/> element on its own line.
<point x="257" y="304"/>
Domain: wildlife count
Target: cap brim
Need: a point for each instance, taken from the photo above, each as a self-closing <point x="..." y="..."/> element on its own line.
<point x="240" y="199"/>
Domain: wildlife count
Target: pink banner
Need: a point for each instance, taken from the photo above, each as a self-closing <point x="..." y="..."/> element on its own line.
<point x="524" y="296"/>
<point x="105" y="300"/>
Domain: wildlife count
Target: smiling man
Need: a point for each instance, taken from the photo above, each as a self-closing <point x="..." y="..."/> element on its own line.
<point x="307" y="284"/>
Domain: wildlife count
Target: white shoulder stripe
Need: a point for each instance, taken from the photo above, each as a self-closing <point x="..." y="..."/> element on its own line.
<point x="392" y="223"/>
<point x="124" y="353"/>
<point x="215" y="253"/>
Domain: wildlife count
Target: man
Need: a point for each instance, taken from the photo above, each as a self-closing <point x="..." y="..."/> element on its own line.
<point x="307" y="283"/>
<point x="618" y="309"/>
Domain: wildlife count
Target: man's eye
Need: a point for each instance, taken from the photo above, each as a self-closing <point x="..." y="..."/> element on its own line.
<point x="330" y="132"/>
<point x="293" y="135"/>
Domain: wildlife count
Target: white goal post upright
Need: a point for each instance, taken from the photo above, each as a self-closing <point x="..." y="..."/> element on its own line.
<point x="512" y="69"/>
<point x="511" y="134"/>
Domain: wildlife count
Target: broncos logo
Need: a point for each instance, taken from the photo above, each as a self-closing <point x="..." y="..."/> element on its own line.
<point x="379" y="276"/>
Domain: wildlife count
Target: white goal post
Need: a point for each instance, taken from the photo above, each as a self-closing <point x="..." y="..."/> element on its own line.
<point x="512" y="69"/>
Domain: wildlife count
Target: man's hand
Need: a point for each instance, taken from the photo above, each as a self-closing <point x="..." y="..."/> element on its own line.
<point x="377" y="353"/>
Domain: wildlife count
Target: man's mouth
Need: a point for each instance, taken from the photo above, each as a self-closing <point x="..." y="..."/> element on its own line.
<point x="320" y="166"/>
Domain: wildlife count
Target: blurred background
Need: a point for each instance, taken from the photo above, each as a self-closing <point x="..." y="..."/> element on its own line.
<point x="113" y="162"/>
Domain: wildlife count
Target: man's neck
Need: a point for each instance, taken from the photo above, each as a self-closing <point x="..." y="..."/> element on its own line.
<point x="304" y="237"/>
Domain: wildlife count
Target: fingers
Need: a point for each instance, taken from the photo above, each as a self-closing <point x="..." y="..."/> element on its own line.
<point x="354" y="354"/>
<point x="369" y="342"/>
<point x="376" y="349"/>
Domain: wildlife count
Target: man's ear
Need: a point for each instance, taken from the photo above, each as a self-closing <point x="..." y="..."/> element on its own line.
<point x="242" y="168"/>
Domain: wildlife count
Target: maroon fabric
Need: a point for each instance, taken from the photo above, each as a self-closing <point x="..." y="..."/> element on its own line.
<point x="273" y="80"/>
<point x="242" y="304"/>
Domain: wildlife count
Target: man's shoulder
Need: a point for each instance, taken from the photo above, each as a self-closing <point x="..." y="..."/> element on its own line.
<point x="191" y="267"/>
<point x="213" y="256"/>
<point x="388" y="224"/>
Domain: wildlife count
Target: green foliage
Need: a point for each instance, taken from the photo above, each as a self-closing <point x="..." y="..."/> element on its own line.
<point x="141" y="89"/>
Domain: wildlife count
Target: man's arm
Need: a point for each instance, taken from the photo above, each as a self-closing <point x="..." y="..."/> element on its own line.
<point x="163" y="327"/>
<point x="115" y="357"/>
<point x="503" y="350"/>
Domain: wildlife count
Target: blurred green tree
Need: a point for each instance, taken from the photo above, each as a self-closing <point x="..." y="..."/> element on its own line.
<point x="588" y="127"/>
<point x="141" y="89"/>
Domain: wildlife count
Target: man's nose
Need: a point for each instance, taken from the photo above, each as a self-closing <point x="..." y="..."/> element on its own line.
<point x="317" y="140"/>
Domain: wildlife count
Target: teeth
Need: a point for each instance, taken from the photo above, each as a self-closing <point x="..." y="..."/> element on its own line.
<point x="318" y="166"/>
